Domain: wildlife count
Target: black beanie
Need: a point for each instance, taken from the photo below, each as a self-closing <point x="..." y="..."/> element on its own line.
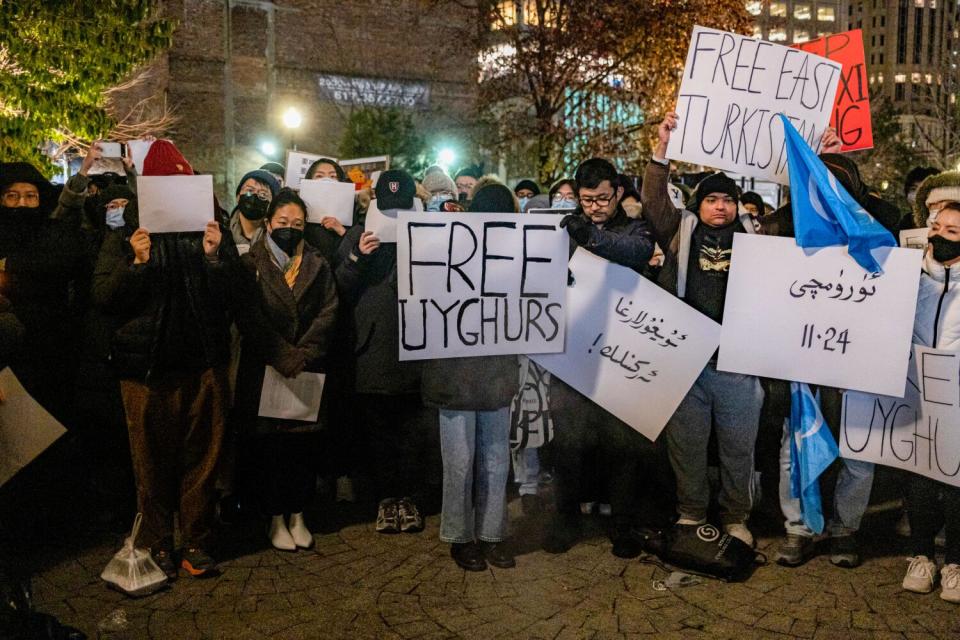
<point x="263" y="177"/>
<point x="846" y="172"/>
<point x="528" y="184"/>
<point x="717" y="182"/>
<point x="493" y="198"/>
<point x="751" y="197"/>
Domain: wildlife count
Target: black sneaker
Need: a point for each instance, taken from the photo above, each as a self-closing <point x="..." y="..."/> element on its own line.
<point x="388" y="516"/>
<point x="409" y="516"/>
<point x="625" y="544"/>
<point x="468" y="556"/>
<point x="165" y="560"/>
<point x="198" y="563"/>
<point x="844" y="552"/>
<point x="498" y="554"/>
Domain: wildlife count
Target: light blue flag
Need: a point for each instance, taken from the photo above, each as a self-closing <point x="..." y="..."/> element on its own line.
<point x="812" y="450"/>
<point x="824" y="214"/>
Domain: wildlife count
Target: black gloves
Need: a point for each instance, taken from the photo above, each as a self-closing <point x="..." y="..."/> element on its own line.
<point x="577" y="226"/>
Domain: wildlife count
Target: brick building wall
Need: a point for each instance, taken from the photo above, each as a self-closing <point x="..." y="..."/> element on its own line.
<point x="236" y="65"/>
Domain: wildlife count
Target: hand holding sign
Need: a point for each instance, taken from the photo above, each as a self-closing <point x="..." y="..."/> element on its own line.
<point x="140" y="243"/>
<point x="667" y="125"/>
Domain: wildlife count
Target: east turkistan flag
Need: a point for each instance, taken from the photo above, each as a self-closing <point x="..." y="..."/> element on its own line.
<point x="812" y="450"/>
<point x="824" y="214"/>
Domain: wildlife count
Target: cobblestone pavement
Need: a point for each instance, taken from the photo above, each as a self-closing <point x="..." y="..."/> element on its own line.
<point x="358" y="584"/>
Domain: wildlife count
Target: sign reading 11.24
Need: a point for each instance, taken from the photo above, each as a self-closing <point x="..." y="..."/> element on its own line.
<point x="828" y="339"/>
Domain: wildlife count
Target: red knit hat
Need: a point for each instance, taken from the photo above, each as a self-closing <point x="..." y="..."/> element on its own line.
<point x="163" y="159"/>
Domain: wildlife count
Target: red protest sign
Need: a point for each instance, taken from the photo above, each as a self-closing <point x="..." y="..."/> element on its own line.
<point x="851" y="110"/>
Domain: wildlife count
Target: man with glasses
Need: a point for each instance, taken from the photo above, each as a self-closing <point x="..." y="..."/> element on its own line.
<point x="697" y="243"/>
<point x="254" y="193"/>
<point x="584" y="431"/>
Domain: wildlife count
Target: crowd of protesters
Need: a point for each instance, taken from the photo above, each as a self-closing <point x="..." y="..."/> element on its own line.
<point x="164" y="338"/>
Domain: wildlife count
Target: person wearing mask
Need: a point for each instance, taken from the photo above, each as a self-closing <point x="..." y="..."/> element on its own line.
<point x="254" y="192"/>
<point x="171" y="295"/>
<point x="911" y="184"/>
<point x="327" y="234"/>
<point x="298" y="297"/>
<point x="466" y="180"/>
<point x="472" y="396"/>
<point x="397" y="429"/>
<point x="937" y="324"/>
<point x="698" y="244"/>
<point x="440" y="190"/>
<point x="563" y="194"/>
<point x="584" y="431"/>
<point x="933" y="194"/>
<point x="276" y="170"/>
<point x="525" y="190"/>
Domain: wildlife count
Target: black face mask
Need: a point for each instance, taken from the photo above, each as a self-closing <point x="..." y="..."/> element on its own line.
<point x="252" y="207"/>
<point x="944" y="250"/>
<point x="287" y="238"/>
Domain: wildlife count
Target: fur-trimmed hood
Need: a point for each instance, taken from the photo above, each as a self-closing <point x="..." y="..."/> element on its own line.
<point x="946" y="180"/>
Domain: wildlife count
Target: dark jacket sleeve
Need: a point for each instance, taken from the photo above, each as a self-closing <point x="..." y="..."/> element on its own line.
<point x="349" y="271"/>
<point x="658" y="210"/>
<point x="632" y="248"/>
<point x="117" y="282"/>
<point x="316" y="339"/>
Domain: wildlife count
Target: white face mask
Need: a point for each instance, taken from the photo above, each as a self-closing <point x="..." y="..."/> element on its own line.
<point x="115" y="218"/>
<point x="559" y="202"/>
<point x="327" y="179"/>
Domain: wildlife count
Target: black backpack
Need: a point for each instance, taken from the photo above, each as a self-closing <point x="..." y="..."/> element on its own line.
<point x="705" y="550"/>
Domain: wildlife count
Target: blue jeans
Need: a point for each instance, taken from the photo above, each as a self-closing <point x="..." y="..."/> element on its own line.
<point x="475" y="446"/>
<point x="850" y="498"/>
<point x="526" y="470"/>
<point x="730" y="404"/>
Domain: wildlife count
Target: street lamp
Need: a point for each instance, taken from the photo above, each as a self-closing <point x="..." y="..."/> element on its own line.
<point x="446" y="157"/>
<point x="268" y="149"/>
<point x="292" y="121"/>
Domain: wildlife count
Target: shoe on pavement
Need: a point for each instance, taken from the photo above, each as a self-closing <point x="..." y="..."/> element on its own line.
<point x="919" y="578"/>
<point x="345" y="491"/>
<point x="626" y="545"/>
<point x="739" y="531"/>
<point x="388" y="516"/>
<point x="950" y="583"/>
<point x="563" y="531"/>
<point x="163" y="556"/>
<point x="844" y="552"/>
<point x="409" y="516"/>
<point x="795" y="550"/>
<point x="498" y="554"/>
<point x="468" y="556"/>
<point x="691" y="522"/>
<point x="198" y="563"/>
<point x="280" y="536"/>
<point x="298" y="530"/>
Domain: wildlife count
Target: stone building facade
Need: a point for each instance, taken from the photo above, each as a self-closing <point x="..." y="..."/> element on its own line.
<point x="236" y="65"/>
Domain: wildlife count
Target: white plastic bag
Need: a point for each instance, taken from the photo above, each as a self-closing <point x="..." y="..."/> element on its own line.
<point x="133" y="570"/>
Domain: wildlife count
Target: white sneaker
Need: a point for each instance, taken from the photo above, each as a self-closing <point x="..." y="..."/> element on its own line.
<point x="345" y="490"/>
<point x="739" y="531"/>
<point x="919" y="578"/>
<point x="690" y="522"/>
<point x="280" y="536"/>
<point x="950" y="583"/>
<point x="299" y="532"/>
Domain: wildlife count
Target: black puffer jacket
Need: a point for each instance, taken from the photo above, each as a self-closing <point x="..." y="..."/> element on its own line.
<point x="174" y="311"/>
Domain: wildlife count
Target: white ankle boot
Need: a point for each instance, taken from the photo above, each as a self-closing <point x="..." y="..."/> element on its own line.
<point x="280" y="536"/>
<point x="298" y="530"/>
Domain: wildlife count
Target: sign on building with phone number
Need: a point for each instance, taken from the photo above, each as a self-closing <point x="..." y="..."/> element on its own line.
<point x="374" y="92"/>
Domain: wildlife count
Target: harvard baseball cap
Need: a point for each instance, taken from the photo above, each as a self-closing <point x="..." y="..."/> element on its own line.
<point x="395" y="190"/>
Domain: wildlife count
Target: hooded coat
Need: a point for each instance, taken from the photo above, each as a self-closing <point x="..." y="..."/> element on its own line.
<point x="948" y="181"/>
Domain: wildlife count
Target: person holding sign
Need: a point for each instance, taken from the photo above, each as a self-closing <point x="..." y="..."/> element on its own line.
<point x="329" y="232"/>
<point x="473" y="397"/>
<point x="297" y="295"/>
<point x="601" y="226"/>
<point x="697" y="246"/>
<point x="171" y="295"/>
<point x="937" y="324"/>
<point x="254" y="192"/>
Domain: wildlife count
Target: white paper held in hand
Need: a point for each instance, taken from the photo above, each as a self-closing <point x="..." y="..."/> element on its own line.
<point x="325" y="198"/>
<point x="291" y="398"/>
<point x="26" y="429"/>
<point x="173" y="204"/>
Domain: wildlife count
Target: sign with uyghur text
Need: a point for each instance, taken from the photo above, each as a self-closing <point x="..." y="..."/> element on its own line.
<point x="632" y="348"/>
<point x="851" y="109"/>
<point x="480" y="284"/>
<point x="375" y="92"/>
<point x="817" y="316"/>
<point x="732" y="91"/>
<point x="919" y="432"/>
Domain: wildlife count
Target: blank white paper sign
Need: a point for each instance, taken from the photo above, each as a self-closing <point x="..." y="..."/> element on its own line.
<point x="172" y="204"/>
<point x="291" y="398"/>
<point x="384" y="224"/>
<point x="26" y="429"/>
<point x="325" y="198"/>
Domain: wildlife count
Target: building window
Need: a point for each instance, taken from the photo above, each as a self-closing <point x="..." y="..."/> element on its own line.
<point x="880" y="78"/>
<point x="801" y="36"/>
<point x="826" y="14"/>
<point x="898" y="91"/>
<point x="883" y="21"/>
<point x="881" y="39"/>
<point x="778" y="34"/>
<point x="802" y="12"/>
<point x="778" y="9"/>
<point x="754" y="8"/>
<point x="902" y="33"/>
<point x="505" y="14"/>
<point x="872" y="59"/>
<point x="932" y="37"/>
<point x="919" y="3"/>
<point x="915" y="77"/>
<point x="757" y="31"/>
<point x="900" y="78"/>
<point x="881" y="58"/>
<point x="917" y="35"/>
<point x="873" y="41"/>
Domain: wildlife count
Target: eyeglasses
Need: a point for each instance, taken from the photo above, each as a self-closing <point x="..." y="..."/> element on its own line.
<point x="263" y="195"/>
<point x="13" y="198"/>
<point x="600" y="201"/>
